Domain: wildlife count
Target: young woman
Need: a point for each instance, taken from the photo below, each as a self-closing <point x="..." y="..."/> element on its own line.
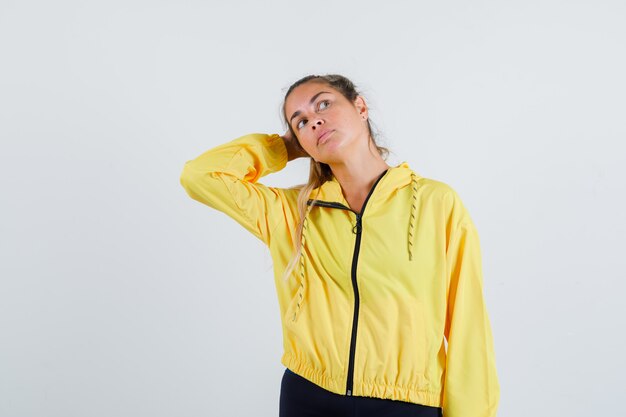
<point x="377" y="269"/>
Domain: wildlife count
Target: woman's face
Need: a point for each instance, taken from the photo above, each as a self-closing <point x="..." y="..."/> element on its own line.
<point x="326" y="124"/>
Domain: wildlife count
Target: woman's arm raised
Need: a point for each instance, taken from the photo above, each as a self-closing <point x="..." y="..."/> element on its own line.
<point x="226" y="179"/>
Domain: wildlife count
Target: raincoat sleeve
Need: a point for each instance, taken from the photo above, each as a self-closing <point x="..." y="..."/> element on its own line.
<point x="226" y="179"/>
<point x="471" y="387"/>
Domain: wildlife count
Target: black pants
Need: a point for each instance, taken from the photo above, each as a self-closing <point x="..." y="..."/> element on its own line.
<point x="300" y="397"/>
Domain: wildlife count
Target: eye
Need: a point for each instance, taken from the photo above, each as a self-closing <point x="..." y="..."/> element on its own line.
<point x="323" y="105"/>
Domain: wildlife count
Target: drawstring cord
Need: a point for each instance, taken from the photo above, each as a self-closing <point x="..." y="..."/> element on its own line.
<point x="413" y="218"/>
<point x="301" y="270"/>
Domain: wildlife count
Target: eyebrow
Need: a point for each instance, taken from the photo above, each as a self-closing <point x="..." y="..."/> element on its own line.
<point x="297" y="112"/>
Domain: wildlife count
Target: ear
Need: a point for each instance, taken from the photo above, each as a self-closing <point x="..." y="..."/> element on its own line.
<point x="361" y="107"/>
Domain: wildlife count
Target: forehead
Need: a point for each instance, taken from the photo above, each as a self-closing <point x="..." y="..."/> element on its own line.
<point x="301" y="95"/>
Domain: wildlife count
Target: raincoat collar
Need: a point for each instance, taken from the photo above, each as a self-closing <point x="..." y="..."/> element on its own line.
<point x="394" y="178"/>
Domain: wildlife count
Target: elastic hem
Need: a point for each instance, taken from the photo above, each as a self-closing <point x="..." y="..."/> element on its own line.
<point x="394" y="392"/>
<point x="363" y="389"/>
<point x="317" y="377"/>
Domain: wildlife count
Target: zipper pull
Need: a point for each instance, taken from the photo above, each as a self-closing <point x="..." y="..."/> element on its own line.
<point x="349" y="392"/>
<point x="356" y="229"/>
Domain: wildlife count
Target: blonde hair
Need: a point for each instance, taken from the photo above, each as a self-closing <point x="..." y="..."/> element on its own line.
<point x="319" y="172"/>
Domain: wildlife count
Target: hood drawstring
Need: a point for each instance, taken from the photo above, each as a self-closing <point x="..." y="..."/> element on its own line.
<point x="301" y="269"/>
<point x="413" y="218"/>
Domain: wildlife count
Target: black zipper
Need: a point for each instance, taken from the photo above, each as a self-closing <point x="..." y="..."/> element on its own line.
<point x="357" y="303"/>
<point x="357" y="229"/>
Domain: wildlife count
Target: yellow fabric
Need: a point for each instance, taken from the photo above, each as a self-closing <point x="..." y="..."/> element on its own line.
<point x="418" y="271"/>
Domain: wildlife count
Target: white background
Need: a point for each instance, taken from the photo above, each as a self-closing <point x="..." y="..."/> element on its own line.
<point x="120" y="296"/>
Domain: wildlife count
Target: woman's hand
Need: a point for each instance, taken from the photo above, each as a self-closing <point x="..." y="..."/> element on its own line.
<point x="294" y="150"/>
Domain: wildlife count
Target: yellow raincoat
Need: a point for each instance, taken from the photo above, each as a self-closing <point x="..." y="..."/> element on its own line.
<point x="366" y="310"/>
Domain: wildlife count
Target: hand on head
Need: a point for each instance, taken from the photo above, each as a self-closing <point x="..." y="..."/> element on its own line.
<point x="294" y="150"/>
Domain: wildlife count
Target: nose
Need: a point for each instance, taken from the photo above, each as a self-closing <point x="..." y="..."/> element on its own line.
<point x="316" y="124"/>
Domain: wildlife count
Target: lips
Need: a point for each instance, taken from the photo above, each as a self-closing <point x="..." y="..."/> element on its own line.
<point x="323" y="136"/>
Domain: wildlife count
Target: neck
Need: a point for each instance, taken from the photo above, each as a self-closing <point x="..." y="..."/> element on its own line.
<point x="358" y="174"/>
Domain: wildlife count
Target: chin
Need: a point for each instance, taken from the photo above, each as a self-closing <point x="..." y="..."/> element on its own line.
<point x="333" y="151"/>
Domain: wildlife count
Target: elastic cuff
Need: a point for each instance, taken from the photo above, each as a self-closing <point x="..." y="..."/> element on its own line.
<point x="278" y="152"/>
